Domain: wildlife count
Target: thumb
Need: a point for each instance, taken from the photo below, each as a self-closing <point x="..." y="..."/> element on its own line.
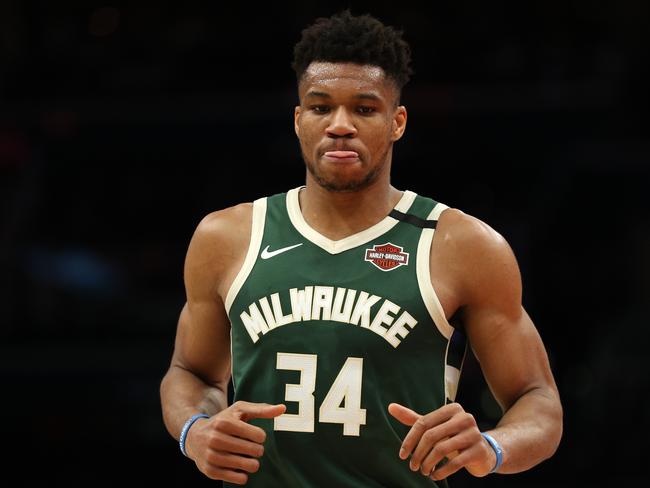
<point x="403" y="414"/>
<point x="248" y="410"/>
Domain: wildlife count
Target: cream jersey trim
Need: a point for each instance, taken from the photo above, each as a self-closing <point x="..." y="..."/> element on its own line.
<point x="257" y="232"/>
<point x="427" y="291"/>
<point x="347" y="243"/>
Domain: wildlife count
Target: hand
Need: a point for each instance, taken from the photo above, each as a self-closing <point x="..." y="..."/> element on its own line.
<point x="224" y="447"/>
<point x="446" y="432"/>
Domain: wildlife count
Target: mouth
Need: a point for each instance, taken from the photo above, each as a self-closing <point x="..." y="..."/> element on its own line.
<point x="341" y="156"/>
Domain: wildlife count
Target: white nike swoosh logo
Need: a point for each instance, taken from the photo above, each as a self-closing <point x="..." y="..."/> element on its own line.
<point x="266" y="254"/>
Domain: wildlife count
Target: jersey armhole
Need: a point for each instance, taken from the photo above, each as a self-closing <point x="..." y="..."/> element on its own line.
<point x="257" y="232"/>
<point x="427" y="291"/>
<point x="456" y="343"/>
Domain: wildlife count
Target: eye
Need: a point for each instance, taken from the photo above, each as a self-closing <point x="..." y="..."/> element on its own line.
<point x="319" y="109"/>
<point x="365" y="110"/>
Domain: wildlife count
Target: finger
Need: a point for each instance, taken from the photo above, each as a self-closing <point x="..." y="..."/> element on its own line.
<point x="426" y="422"/>
<point x="241" y="429"/>
<point x="453" y="465"/>
<point x="247" y="410"/>
<point x="228" y="443"/>
<point x="232" y="461"/>
<point x="405" y="415"/>
<point x="429" y="441"/>
<point x="229" y="475"/>
<point x="446" y="449"/>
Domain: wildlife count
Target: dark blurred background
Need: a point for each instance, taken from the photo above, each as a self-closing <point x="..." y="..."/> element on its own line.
<point x="123" y="123"/>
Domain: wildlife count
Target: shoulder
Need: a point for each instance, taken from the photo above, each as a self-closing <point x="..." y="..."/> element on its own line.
<point x="467" y="234"/>
<point x="224" y="224"/>
<point x="220" y="242"/>
<point x="479" y="256"/>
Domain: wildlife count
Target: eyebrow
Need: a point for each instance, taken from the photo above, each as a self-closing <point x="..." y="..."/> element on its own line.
<point x="360" y="96"/>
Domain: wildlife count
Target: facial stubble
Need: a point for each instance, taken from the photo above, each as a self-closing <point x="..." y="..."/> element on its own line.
<point x="346" y="186"/>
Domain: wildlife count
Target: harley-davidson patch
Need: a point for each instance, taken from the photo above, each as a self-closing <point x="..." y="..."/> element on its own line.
<point x="387" y="256"/>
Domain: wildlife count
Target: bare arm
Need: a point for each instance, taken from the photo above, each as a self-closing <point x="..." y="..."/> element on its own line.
<point x="184" y="393"/>
<point x="482" y="282"/>
<point x="510" y="351"/>
<point x="225" y="446"/>
<point x="197" y="380"/>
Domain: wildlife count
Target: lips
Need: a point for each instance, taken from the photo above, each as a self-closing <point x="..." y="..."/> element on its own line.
<point x="342" y="154"/>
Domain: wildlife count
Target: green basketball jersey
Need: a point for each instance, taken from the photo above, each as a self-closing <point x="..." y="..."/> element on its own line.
<point x="337" y="330"/>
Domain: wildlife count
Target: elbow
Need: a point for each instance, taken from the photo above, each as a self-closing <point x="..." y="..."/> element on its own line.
<point x="555" y="428"/>
<point x="165" y="389"/>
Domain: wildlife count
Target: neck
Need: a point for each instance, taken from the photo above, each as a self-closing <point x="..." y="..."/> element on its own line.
<point x="337" y="215"/>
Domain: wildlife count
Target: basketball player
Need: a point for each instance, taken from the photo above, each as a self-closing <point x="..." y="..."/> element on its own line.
<point x="341" y="308"/>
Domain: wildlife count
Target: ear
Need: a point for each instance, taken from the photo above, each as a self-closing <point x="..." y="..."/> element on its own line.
<point x="399" y="123"/>
<point x="296" y="119"/>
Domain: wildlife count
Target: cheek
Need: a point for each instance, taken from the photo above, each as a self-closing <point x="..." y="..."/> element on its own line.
<point x="380" y="138"/>
<point x="308" y="136"/>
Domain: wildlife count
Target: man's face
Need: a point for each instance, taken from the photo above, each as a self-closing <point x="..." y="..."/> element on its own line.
<point x="347" y="121"/>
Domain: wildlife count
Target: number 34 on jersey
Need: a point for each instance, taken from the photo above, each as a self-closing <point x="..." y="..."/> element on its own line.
<point x="345" y="390"/>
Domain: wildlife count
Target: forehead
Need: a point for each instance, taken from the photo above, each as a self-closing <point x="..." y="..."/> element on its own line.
<point x="344" y="76"/>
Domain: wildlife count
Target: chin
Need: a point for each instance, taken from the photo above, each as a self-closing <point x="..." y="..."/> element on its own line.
<point x="341" y="180"/>
<point x="342" y="183"/>
<point x="342" y="187"/>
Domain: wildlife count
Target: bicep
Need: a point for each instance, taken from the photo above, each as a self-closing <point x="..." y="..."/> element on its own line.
<point x="501" y="333"/>
<point x="202" y="343"/>
<point x="203" y="335"/>
<point x="510" y="351"/>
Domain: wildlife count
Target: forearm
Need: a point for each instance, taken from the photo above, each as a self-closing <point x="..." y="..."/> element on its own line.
<point x="530" y="430"/>
<point x="183" y="394"/>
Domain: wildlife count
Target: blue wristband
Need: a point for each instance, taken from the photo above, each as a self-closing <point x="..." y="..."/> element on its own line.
<point x="497" y="450"/>
<point x="186" y="428"/>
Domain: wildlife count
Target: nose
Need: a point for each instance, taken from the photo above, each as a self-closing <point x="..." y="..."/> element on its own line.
<point x="341" y="124"/>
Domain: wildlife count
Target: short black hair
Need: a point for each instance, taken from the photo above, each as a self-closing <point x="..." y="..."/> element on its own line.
<point x="361" y="39"/>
